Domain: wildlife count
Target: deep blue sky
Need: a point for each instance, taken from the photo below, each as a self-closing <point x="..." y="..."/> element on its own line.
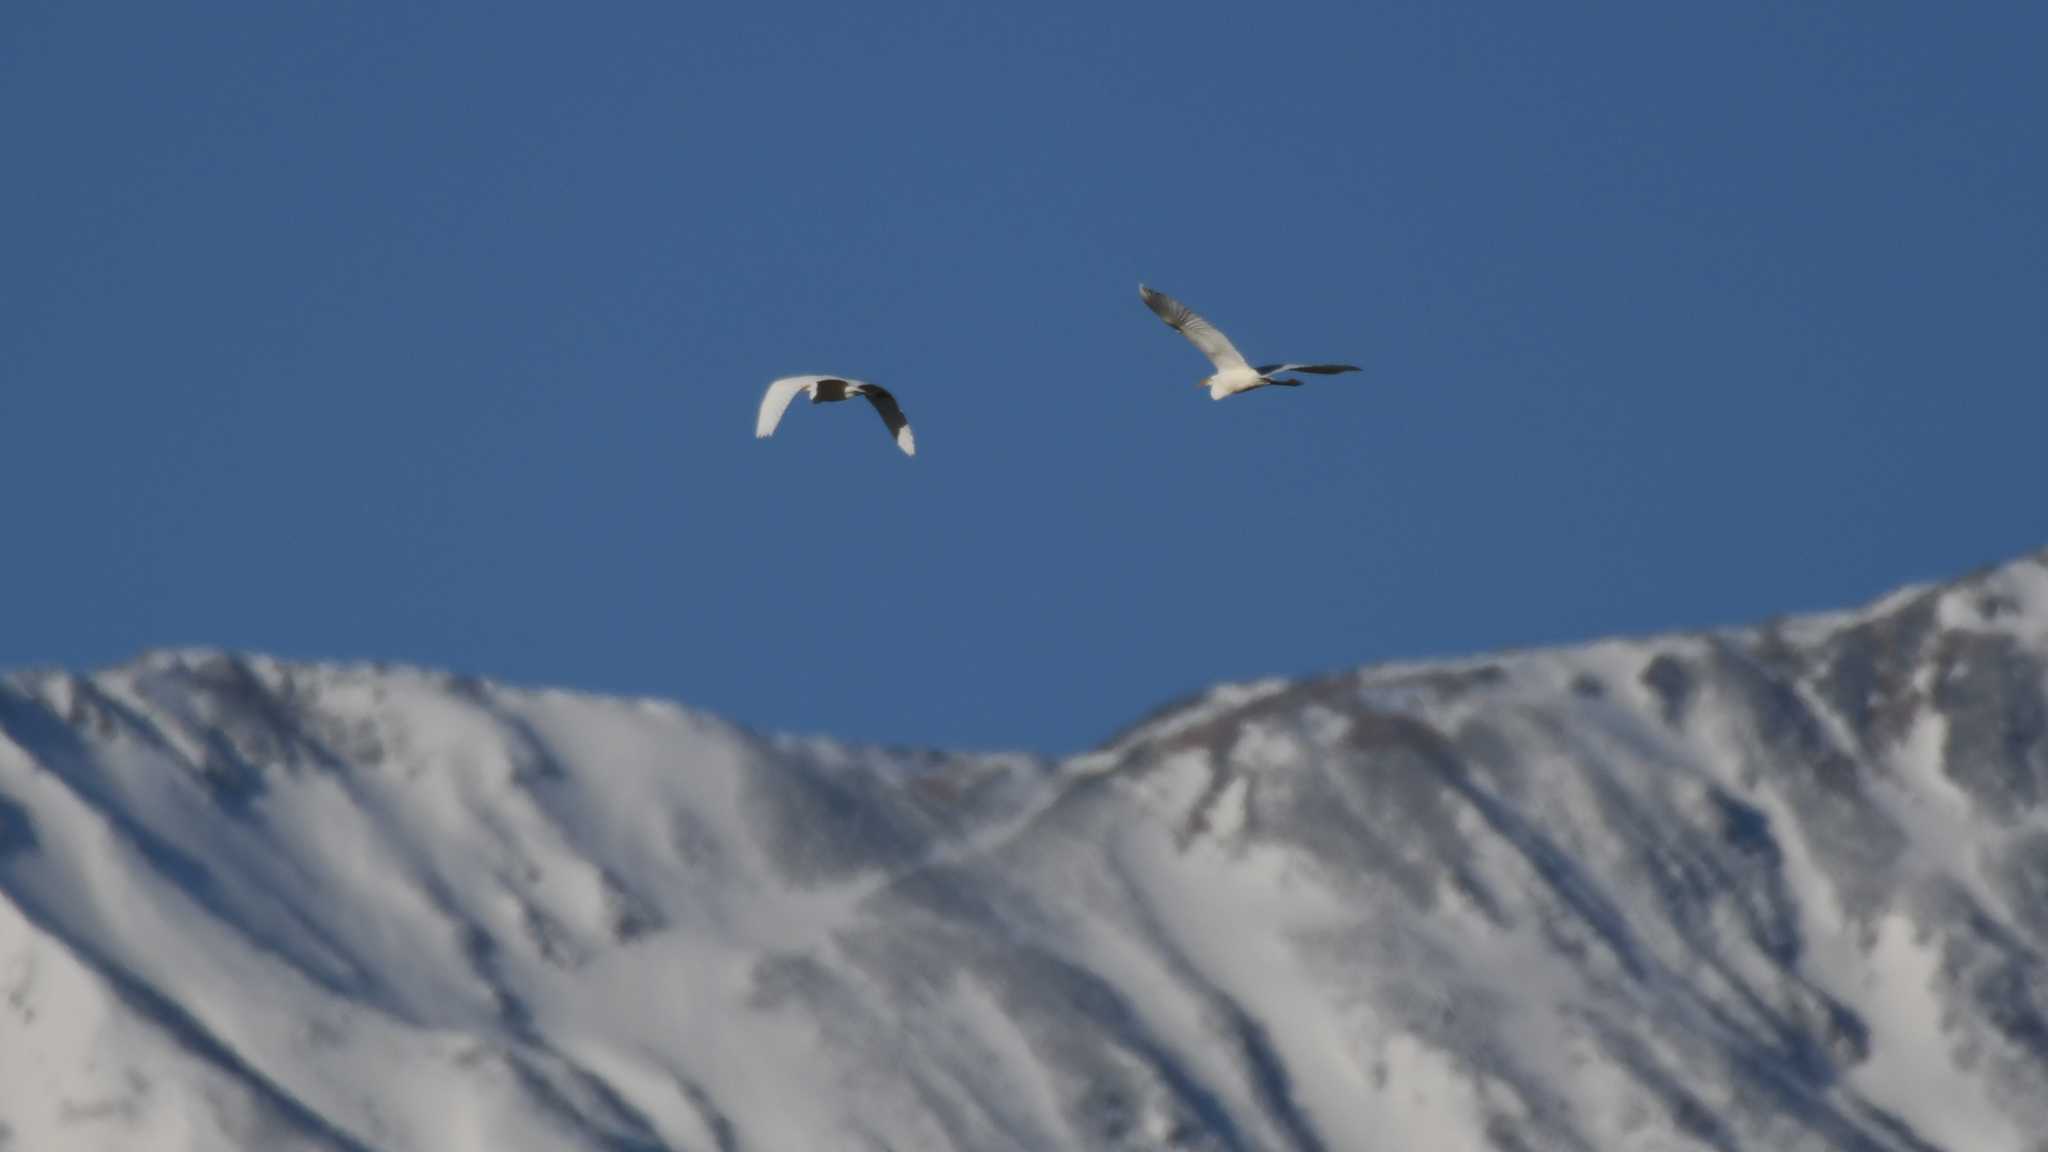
<point x="437" y="337"/>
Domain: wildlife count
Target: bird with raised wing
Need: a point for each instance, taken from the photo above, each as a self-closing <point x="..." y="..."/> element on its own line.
<point x="1233" y="374"/>
<point x="826" y="390"/>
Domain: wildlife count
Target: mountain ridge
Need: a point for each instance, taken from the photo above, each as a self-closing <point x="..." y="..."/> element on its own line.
<point x="1769" y="887"/>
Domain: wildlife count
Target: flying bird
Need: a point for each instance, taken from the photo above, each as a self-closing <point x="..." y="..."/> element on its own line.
<point x="1233" y="375"/>
<point x="826" y="390"/>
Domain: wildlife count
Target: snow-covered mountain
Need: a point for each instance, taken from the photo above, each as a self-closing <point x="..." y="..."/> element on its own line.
<point x="1771" y="889"/>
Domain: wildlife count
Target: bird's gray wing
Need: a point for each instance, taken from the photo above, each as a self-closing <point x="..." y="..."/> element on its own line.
<point x="1316" y="369"/>
<point x="892" y="415"/>
<point x="1202" y="334"/>
<point x="776" y="400"/>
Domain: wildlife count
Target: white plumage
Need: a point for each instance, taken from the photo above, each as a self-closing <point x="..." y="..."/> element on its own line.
<point x="1233" y="374"/>
<point x="826" y="390"/>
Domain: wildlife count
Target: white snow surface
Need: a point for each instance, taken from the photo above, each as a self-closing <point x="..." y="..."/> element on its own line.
<point x="1781" y="888"/>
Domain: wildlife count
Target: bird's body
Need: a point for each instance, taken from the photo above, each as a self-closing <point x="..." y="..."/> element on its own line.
<point x="1231" y="381"/>
<point x="1233" y="373"/>
<point x="827" y="390"/>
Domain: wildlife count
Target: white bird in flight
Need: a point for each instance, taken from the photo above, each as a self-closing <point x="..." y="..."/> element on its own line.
<point x="825" y="390"/>
<point x="1233" y="374"/>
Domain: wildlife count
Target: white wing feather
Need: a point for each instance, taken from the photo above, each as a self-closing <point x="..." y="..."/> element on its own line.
<point x="776" y="400"/>
<point x="1202" y="334"/>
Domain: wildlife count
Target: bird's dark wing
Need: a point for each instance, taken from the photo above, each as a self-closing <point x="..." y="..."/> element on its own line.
<point x="1314" y="369"/>
<point x="892" y="415"/>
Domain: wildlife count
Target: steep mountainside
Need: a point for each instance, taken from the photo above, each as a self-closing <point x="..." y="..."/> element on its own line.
<point x="1770" y="889"/>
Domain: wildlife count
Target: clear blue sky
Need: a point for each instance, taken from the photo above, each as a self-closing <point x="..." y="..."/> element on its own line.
<point x="437" y="336"/>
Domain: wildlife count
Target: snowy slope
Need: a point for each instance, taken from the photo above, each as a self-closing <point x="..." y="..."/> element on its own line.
<point x="1774" y="889"/>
